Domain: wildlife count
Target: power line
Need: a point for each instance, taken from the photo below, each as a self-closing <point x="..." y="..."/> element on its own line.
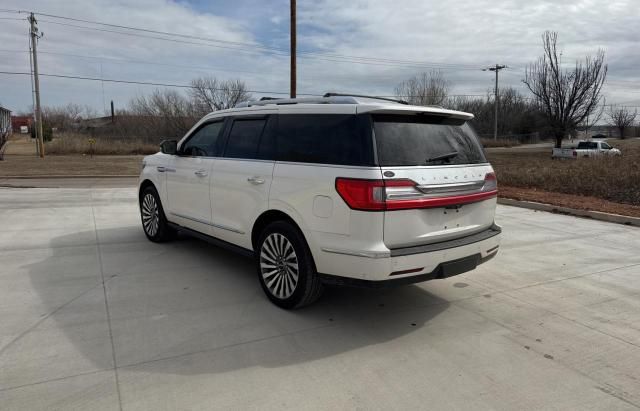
<point x="142" y="82"/>
<point x="278" y="52"/>
<point x="247" y="47"/>
<point x="248" y="44"/>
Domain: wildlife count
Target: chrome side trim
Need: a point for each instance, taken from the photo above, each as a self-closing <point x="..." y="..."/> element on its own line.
<point x="224" y="227"/>
<point x="197" y="220"/>
<point x="366" y="254"/>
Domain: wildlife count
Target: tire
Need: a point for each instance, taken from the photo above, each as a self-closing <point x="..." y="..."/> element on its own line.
<point x="154" y="222"/>
<point x="280" y="251"/>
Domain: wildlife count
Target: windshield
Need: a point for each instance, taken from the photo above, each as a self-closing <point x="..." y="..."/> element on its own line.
<point x="409" y="140"/>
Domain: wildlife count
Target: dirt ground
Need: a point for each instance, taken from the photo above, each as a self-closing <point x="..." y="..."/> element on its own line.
<point x="69" y="165"/>
<point x="568" y="200"/>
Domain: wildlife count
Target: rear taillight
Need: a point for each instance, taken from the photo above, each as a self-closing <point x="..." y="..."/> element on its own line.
<point x="404" y="194"/>
<point x="361" y="194"/>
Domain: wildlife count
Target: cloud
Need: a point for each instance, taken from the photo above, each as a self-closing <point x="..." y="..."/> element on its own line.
<point x="459" y="37"/>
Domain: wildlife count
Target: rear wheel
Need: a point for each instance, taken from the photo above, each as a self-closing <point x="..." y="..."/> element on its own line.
<point x="285" y="266"/>
<point x="154" y="222"/>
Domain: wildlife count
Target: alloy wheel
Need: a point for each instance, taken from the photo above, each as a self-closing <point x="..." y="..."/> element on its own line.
<point x="279" y="265"/>
<point x="150" y="214"/>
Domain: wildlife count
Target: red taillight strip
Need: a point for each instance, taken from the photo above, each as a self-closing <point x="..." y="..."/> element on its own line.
<point x="441" y="201"/>
<point x="371" y="195"/>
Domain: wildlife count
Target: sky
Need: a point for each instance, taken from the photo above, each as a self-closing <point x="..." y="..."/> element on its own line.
<point x="356" y="46"/>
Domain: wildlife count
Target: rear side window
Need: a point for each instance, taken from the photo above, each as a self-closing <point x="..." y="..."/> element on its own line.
<point x="409" y="140"/>
<point x="341" y="139"/>
<point x="244" y="138"/>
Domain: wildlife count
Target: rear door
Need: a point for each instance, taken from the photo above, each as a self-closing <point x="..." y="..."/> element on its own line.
<point x="439" y="185"/>
<point x="242" y="177"/>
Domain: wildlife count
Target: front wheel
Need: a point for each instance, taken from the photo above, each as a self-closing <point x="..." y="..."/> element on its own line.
<point x="154" y="222"/>
<point x="285" y="266"/>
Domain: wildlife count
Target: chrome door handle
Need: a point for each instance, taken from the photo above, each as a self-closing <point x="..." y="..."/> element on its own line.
<point x="255" y="180"/>
<point x="161" y="169"/>
<point x="201" y="173"/>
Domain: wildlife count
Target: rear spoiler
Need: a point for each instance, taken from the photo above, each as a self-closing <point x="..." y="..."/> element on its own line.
<point x="414" y="110"/>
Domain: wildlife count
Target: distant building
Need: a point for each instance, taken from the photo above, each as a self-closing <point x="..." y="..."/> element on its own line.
<point x="19" y="121"/>
<point x="5" y="128"/>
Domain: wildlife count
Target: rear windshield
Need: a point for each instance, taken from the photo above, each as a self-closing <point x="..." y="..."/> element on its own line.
<point x="409" y="140"/>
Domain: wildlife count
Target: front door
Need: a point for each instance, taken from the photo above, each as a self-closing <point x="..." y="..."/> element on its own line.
<point x="189" y="178"/>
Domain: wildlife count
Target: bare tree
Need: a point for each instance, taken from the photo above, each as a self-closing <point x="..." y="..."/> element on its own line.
<point x="62" y="117"/>
<point x="424" y="89"/>
<point x="210" y="94"/>
<point x="621" y="118"/>
<point x="567" y="97"/>
<point x="163" y="114"/>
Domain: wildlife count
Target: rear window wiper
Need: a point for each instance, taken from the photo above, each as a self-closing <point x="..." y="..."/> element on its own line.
<point x="446" y="156"/>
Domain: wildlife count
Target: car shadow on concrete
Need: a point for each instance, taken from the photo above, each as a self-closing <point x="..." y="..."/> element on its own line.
<point x="188" y="307"/>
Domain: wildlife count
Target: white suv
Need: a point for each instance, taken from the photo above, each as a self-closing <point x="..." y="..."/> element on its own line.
<point x="335" y="190"/>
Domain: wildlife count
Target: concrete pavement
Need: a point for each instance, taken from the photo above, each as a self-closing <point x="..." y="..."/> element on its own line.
<point x="93" y="316"/>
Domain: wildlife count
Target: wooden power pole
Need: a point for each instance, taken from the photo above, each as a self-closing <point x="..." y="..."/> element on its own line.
<point x="293" y="49"/>
<point x="34" y="44"/>
<point x="496" y="68"/>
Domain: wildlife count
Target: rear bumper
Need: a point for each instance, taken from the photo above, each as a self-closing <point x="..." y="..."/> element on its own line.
<point x="413" y="264"/>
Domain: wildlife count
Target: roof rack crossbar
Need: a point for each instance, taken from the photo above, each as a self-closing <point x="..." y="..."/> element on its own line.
<point x="365" y="96"/>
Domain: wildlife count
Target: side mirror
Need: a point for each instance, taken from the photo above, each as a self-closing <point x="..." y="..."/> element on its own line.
<point x="169" y="147"/>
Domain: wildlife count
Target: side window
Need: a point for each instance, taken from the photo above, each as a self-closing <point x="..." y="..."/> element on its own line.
<point x="203" y="142"/>
<point x="244" y="138"/>
<point x="605" y="146"/>
<point x="341" y="139"/>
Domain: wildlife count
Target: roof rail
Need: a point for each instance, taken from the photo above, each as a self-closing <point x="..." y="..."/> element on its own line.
<point x="328" y="98"/>
<point x="365" y="96"/>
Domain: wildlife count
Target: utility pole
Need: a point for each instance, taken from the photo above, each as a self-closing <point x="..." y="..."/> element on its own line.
<point x="293" y="49"/>
<point x="33" y="93"/>
<point x="34" y="42"/>
<point x="496" y="68"/>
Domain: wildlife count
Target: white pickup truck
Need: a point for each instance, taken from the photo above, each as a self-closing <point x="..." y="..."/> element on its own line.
<point x="586" y="149"/>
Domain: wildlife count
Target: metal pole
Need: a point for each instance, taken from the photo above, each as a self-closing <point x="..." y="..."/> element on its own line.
<point x="497" y="97"/>
<point x="293" y="49"/>
<point x="34" y="42"/>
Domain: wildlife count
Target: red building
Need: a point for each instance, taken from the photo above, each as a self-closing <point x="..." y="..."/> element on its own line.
<point x="18" y="121"/>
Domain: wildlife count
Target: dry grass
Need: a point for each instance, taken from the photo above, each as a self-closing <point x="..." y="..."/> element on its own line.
<point x="611" y="178"/>
<point x="81" y="144"/>
<point x="69" y="166"/>
<point x="501" y="142"/>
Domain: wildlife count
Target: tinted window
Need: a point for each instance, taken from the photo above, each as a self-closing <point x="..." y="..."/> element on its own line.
<point x="404" y="140"/>
<point x="244" y="138"/>
<point x="325" y="138"/>
<point x="587" y="145"/>
<point x="203" y="141"/>
<point x="605" y="146"/>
